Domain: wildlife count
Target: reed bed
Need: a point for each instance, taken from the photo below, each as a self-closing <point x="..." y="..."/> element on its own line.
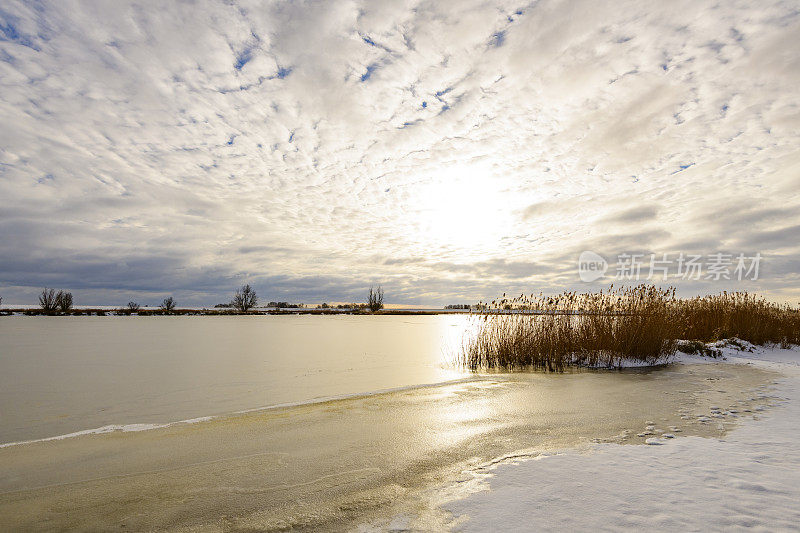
<point x="627" y="324"/>
<point x="738" y="314"/>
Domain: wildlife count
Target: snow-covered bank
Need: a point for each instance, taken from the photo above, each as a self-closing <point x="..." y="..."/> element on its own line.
<point x="749" y="479"/>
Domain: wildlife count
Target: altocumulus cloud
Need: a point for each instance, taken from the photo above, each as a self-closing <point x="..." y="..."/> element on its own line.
<point x="313" y="147"/>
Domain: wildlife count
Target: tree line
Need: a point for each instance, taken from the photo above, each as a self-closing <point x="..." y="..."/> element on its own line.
<point x="244" y="300"/>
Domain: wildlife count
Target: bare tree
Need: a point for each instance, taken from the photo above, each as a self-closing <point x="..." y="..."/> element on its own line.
<point x="245" y="298"/>
<point x="133" y="306"/>
<point x="168" y="304"/>
<point x="64" y="301"/>
<point x="48" y="300"/>
<point x="375" y="301"/>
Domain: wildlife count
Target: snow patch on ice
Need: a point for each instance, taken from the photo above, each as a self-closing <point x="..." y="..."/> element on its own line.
<point x="749" y="479"/>
<point x="123" y="428"/>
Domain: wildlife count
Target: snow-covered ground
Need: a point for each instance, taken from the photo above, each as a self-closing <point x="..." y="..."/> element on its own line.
<point x="748" y="479"/>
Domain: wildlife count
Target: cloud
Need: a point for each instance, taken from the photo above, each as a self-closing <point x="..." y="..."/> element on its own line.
<point x="633" y="215"/>
<point x="346" y="143"/>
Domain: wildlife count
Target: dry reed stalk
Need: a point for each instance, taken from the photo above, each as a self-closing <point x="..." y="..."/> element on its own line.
<point x="641" y="324"/>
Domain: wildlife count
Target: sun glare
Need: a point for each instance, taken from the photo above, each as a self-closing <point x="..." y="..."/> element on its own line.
<point x="466" y="208"/>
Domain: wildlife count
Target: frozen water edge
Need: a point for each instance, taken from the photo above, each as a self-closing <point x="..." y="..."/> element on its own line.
<point x="749" y="479"/>
<point x="729" y="347"/>
<point x="124" y="428"/>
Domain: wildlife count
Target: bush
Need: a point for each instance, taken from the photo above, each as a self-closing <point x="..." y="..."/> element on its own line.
<point x="375" y="299"/>
<point x="168" y="304"/>
<point x="64" y="301"/>
<point x="245" y="299"/>
<point x="48" y="300"/>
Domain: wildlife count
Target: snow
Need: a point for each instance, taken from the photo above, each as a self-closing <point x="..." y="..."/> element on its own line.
<point x="728" y="347"/>
<point x="749" y="479"/>
<point x="124" y="428"/>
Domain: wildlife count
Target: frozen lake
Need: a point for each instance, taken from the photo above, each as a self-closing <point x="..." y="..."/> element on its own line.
<point x="60" y="375"/>
<point x="330" y="452"/>
<point x="339" y="465"/>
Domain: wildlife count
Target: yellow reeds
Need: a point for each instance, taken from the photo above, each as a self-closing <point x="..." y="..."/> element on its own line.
<point x="641" y="323"/>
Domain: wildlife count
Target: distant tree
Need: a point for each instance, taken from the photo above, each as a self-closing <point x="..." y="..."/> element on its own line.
<point x="285" y="305"/>
<point x="48" y="300"/>
<point x="133" y="306"/>
<point x="375" y="301"/>
<point x="245" y="298"/>
<point x="168" y="304"/>
<point x="64" y="301"/>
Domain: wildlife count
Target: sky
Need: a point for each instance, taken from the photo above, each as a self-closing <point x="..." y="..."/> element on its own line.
<point x="449" y="151"/>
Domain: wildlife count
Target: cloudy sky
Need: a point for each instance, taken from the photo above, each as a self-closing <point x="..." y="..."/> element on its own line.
<point x="449" y="150"/>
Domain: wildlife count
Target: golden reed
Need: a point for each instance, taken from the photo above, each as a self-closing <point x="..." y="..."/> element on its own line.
<point x="641" y="323"/>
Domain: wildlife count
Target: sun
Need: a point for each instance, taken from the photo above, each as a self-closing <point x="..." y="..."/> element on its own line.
<point x="465" y="207"/>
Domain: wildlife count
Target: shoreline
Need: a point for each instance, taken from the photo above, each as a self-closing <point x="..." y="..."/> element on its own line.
<point x="335" y="465"/>
<point x="145" y="426"/>
<point x="678" y="358"/>
<point x="102" y="311"/>
<point x="718" y="483"/>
